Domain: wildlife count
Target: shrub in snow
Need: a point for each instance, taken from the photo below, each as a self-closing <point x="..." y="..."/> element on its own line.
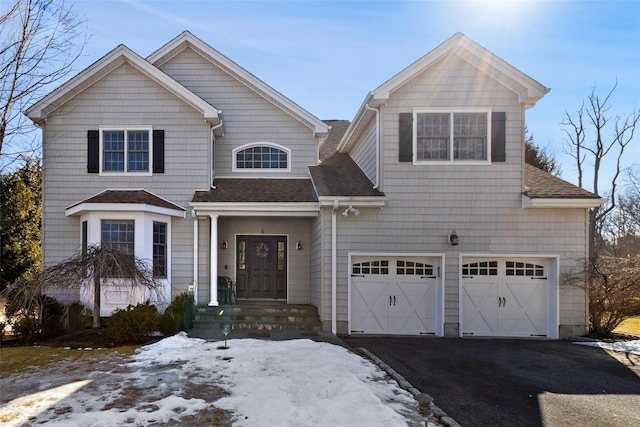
<point x="134" y="324"/>
<point x="178" y="316"/>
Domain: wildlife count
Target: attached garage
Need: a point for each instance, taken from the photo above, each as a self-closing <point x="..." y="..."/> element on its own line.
<point x="396" y="294"/>
<point x="509" y="296"/>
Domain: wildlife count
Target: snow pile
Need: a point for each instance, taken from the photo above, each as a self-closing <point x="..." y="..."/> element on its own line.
<point x="624" y="346"/>
<point x="290" y="383"/>
<point x="259" y="383"/>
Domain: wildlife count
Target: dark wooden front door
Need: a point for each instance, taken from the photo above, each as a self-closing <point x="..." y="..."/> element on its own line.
<point x="261" y="267"/>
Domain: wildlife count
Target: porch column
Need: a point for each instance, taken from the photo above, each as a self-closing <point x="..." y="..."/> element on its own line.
<point x="196" y="268"/>
<point x="213" y="262"/>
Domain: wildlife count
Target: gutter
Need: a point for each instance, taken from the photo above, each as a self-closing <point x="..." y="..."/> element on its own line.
<point x="212" y="175"/>
<point x="377" y="111"/>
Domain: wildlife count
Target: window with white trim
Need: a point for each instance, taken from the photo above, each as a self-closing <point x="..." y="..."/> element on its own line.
<point x="159" y="249"/>
<point x="119" y="235"/>
<point x="446" y="136"/>
<point x="126" y="150"/>
<point x="261" y="156"/>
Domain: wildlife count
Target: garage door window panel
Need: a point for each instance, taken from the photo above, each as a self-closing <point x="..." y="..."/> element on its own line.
<point x="371" y="267"/>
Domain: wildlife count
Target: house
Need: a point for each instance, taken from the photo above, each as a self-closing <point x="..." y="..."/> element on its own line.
<point x="417" y="217"/>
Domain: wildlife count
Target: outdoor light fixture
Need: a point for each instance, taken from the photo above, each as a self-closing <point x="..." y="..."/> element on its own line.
<point x="225" y="245"/>
<point x="299" y="245"/>
<point x="453" y="238"/>
<point x="352" y="210"/>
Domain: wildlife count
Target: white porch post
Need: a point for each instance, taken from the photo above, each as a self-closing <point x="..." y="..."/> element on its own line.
<point x="213" y="262"/>
<point x="195" y="257"/>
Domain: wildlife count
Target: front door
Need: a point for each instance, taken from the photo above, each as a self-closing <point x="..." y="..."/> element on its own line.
<point x="261" y="263"/>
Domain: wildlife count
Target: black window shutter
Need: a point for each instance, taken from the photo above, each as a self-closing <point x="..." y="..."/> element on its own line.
<point x="406" y="137"/>
<point x="498" y="137"/>
<point x="158" y="151"/>
<point x="93" y="151"/>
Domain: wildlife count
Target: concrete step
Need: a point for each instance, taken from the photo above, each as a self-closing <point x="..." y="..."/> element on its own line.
<point x="255" y="317"/>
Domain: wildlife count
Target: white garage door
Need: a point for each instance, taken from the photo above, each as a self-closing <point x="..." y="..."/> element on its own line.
<point x="393" y="295"/>
<point x="504" y="297"/>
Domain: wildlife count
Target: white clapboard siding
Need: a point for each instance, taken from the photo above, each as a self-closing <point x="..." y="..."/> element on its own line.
<point x="481" y="202"/>
<point x="247" y="116"/>
<point x="123" y="98"/>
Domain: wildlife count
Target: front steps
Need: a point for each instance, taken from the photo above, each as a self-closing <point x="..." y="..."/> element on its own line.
<point x="247" y="318"/>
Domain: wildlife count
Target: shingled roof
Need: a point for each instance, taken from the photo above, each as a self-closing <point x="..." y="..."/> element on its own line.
<point x="542" y="185"/>
<point x="258" y="191"/>
<point x="339" y="175"/>
<point x="330" y="145"/>
<point x="130" y="197"/>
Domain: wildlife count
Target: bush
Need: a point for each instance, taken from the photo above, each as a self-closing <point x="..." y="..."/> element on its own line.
<point x="134" y="324"/>
<point x="178" y="316"/>
<point x="41" y="318"/>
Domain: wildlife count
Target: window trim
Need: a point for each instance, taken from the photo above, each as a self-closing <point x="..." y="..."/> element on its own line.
<point x="164" y="246"/>
<point x="451" y="112"/>
<point x="235" y="151"/>
<point x="125" y="129"/>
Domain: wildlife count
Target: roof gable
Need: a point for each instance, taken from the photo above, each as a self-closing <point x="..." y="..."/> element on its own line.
<point x="188" y="40"/>
<point x="38" y="112"/>
<point x="529" y="91"/>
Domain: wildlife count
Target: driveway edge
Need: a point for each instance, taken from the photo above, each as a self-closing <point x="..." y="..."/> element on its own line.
<point x="429" y="410"/>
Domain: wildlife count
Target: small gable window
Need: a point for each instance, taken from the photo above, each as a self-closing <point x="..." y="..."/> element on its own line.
<point x="445" y="136"/>
<point x="261" y="156"/>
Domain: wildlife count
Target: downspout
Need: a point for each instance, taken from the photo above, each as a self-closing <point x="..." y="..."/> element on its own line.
<point x="212" y="175"/>
<point x="334" y="268"/>
<point x="377" y="183"/>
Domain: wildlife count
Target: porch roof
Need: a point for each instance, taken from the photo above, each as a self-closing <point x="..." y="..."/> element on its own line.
<point x="233" y="190"/>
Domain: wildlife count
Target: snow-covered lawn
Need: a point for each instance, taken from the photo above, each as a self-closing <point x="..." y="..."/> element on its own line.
<point x="187" y="381"/>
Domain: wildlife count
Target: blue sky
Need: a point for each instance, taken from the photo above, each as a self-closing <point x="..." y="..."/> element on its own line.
<point x="327" y="55"/>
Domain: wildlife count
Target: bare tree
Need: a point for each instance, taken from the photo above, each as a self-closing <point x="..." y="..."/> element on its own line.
<point x="611" y="136"/>
<point x="39" y="42"/>
<point x="88" y="268"/>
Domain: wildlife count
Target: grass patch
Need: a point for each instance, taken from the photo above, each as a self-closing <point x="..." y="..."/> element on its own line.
<point x="630" y="326"/>
<point x="17" y="360"/>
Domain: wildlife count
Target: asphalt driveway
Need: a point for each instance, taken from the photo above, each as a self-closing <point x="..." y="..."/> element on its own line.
<point x="500" y="382"/>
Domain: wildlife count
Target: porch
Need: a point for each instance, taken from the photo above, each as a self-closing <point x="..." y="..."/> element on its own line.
<point x="256" y="319"/>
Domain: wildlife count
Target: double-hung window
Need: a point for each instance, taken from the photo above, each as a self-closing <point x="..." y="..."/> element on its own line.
<point x="159" y="249"/>
<point x="445" y="136"/>
<point x="126" y="150"/>
<point x="119" y="235"/>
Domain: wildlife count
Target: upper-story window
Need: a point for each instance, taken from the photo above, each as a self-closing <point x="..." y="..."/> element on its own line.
<point x="260" y="157"/>
<point x="445" y="136"/>
<point x="126" y="150"/>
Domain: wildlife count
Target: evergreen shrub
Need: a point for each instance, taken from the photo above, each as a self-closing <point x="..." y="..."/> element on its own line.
<point x="134" y="324"/>
<point x="179" y="315"/>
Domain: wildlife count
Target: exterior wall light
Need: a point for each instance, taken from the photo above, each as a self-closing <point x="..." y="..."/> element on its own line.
<point x="299" y="245"/>
<point x="453" y="238"/>
<point x="225" y="245"/>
